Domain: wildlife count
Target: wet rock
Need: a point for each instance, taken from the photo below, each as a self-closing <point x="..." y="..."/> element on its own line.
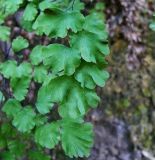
<point x="114" y="151"/>
<point x="111" y="158"/>
<point x="125" y="156"/>
<point x="113" y="142"/>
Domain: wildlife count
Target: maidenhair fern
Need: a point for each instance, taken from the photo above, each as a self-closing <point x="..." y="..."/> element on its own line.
<point x="65" y="72"/>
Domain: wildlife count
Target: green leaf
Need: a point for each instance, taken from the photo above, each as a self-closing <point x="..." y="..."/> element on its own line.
<point x="24" y="69"/>
<point x="49" y="5"/>
<point x="6" y="128"/>
<point x="61" y="4"/>
<point x="50" y="77"/>
<point x="2" y="15"/>
<point x="44" y="100"/>
<point x="19" y="43"/>
<point x="36" y="55"/>
<point x="4" y="33"/>
<point x="101" y="60"/>
<point x="88" y="44"/>
<point x="11" y="6"/>
<point x="78" y="6"/>
<point x="26" y="25"/>
<point x="58" y="23"/>
<point x="24" y="119"/>
<point x="6" y="155"/>
<point x="5" y="68"/>
<point x="40" y="74"/>
<point x="11" y="107"/>
<point x="40" y="120"/>
<point x="61" y="58"/>
<point x="48" y="135"/>
<point x="3" y="143"/>
<point x="89" y="75"/>
<point x="20" y="87"/>
<point x="77" y="138"/>
<point x="38" y="155"/>
<point x="100" y="6"/>
<point x="30" y="12"/>
<point x="65" y="77"/>
<point x="98" y="28"/>
<point x="16" y="148"/>
<point x="74" y="100"/>
<point x="78" y="102"/>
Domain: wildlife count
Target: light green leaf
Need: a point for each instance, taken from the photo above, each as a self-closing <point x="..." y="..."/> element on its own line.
<point x="36" y="55"/>
<point x="78" y="5"/>
<point x="89" y="75"/>
<point x="20" y="87"/>
<point x="11" y="108"/>
<point x="44" y="100"/>
<point x="40" y="74"/>
<point x="78" y="102"/>
<point x="24" y="69"/>
<point x="98" y="28"/>
<point x="100" y="6"/>
<point x="61" y="58"/>
<point x="8" y="68"/>
<point x="10" y="6"/>
<point x="49" y="5"/>
<point x="30" y="12"/>
<point x="48" y="135"/>
<point x="19" y="43"/>
<point x="4" y="33"/>
<point x="61" y="4"/>
<point x="74" y="100"/>
<point x="58" y="23"/>
<point x="40" y="120"/>
<point x="77" y="138"/>
<point x="88" y="44"/>
<point x="24" y="119"/>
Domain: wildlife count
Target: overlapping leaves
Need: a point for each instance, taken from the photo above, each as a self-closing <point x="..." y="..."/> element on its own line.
<point x="23" y="118"/>
<point x="58" y="23"/>
<point x="75" y="135"/>
<point x="19" y="77"/>
<point x="19" y="43"/>
<point x="74" y="100"/>
<point x="66" y="74"/>
<point x="69" y="61"/>
<point x="89" y="75"/>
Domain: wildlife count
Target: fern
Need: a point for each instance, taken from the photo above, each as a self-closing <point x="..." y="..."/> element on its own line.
<point x="66" y="74"/>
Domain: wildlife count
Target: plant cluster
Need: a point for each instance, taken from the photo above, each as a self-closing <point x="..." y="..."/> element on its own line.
<point x="59" y="77"/>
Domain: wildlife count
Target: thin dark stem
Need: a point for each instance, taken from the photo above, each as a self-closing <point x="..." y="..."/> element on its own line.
<point x="7" y="52"/>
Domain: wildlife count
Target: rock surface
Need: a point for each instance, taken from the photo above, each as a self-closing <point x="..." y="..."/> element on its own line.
<point x="113" y="142"/>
